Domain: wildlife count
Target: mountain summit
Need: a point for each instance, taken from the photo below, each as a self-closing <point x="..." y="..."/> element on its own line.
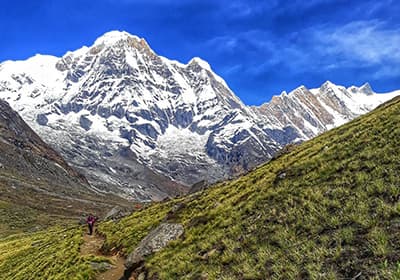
<point x="112" y="37"/>
<point x="144" y="126"/>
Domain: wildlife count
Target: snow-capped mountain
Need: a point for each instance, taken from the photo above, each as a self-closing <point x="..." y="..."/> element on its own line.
<point x="305" y="113"/>
<point x="131" y="120"/>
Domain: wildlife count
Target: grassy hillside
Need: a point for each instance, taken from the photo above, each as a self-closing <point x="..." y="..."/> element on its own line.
<point x="329" y="209"/>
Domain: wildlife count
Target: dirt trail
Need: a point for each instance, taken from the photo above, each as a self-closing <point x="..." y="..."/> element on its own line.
<point x="91" y="246"/>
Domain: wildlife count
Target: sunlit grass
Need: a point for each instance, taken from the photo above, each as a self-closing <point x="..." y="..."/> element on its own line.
<point x="52" y="254"/>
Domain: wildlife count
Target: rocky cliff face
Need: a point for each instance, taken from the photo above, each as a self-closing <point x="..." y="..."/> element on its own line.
<point x="143" y="126"/>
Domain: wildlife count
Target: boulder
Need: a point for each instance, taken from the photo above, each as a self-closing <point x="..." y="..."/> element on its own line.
<point x="156" y="240"/>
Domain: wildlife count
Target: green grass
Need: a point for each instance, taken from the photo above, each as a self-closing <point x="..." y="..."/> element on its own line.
<point x="51" y="254"/>
<point x="329" y="209"/>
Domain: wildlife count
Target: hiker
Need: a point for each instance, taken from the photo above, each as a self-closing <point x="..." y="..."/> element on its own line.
<point x="90" y="221"/>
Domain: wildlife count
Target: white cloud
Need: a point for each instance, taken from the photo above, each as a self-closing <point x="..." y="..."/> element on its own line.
<point x="361" y="41"/>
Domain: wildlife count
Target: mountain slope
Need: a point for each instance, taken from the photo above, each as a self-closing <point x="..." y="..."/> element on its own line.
<point x="329" y="209"/>
<point x="131" y="120"/>
<point x="37" y="186"/>
<point x="17" y="137"/>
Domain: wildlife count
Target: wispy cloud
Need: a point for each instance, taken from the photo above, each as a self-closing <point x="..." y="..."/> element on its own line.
<point x="358" y="44"/>
<point x="368" y="42"/>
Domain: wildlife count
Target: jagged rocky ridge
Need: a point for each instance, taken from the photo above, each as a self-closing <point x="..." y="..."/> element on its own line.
<point x="305" y="113"/>
<point x="131" y="120"/>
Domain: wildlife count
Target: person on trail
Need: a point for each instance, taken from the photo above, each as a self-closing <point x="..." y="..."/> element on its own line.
<point x="90" y="221"/>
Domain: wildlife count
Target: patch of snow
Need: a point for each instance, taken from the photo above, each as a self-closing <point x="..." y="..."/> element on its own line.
<point x="180" y="141"/>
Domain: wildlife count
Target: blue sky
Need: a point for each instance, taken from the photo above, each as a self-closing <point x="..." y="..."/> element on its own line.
<point x="259" y="47"/>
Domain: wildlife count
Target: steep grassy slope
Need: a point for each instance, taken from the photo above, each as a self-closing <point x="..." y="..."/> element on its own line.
<point x="329" y="209"/>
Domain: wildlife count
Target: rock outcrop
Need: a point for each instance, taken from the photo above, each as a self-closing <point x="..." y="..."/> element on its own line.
<point x="156" y="240"/>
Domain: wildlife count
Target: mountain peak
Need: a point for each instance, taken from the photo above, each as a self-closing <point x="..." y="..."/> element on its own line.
<point x="112" y="37"/>
<point x="122" y="39"/>
<point x="327" y="84"/>
<point x="202" y="63"/>
<point x="366" y="89"/>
